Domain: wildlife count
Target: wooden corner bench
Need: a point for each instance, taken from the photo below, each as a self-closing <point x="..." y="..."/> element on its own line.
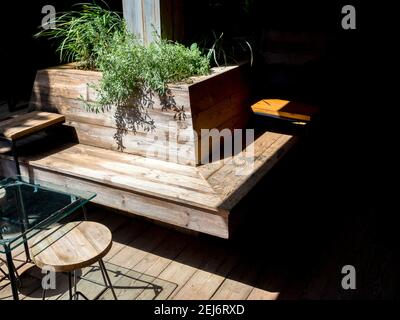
<point x="180" y="193"/>
<point x="196" y="198"/>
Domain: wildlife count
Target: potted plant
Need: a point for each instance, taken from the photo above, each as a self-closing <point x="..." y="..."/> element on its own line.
<point x="149" y="100"/>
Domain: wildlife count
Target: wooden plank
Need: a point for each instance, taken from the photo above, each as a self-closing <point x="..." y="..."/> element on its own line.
<point x="167" y="133"/>
<point x="28" y="123"/>
<point x="239" y="283"/>
<point x="270" y="282"/>
<point x="233" y="186"/>
<point x="285" y="109"/>
<point x="134" y="252"/>
<point x="74" y="111"/>
<point x="212" y="90"/>
<point x="207" y="279"/>
<point x="30" y="284"/>
<point x="127" y="258"/>
<point x="152" y="264"/>
<point x="260" y="294"/>
<point x="181" y="269"/>
<point x="138" y="144"/>
<point x="194" y="183"/>
<point x="124" y="180"/>
<point x="219" y="114"/>
<point x="214" y="223"/>
<point x="169" y="167"/>
<point x="125" y="234"/>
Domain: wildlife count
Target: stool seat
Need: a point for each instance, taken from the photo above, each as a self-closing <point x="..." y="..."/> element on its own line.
<point x="72" y="246"/>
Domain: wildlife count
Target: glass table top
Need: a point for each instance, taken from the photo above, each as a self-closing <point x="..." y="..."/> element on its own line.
<point x="28" y="206"/>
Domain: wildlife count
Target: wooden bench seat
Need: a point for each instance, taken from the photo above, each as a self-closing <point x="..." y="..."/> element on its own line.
<point x="28" y="123"/>
<point x="289" y="110"/>
<point x="197" y="198"/>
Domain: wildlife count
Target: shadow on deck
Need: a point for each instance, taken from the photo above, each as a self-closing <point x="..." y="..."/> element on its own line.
<point x="293" y="247"/>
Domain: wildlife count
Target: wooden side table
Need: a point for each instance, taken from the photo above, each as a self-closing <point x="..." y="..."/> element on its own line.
<point x="25" y="125"/>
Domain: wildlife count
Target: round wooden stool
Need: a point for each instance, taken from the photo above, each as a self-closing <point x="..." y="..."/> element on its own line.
<point x="71" y="247"/>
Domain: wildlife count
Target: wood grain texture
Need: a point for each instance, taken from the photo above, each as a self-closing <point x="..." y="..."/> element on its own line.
<point x="195" y="218"/>
<point x="72" y="246"/>
<point x="233" y="178"/>
<point x="167" y="185"/>
<point x="219" y="100"/>
<point x="28" y="123"/>
<point x="285" y="109"/>
<point x="195" y="198"/>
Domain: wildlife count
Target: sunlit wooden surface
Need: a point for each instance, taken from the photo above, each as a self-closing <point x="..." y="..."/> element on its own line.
<point x="285" y="109"/>
<point x="28" y="123"/>
<point x="148" y="261"/>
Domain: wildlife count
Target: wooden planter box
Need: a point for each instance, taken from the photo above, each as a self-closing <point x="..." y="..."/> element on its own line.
<point x="156" y="176"/>
<point x="220" y="101"/>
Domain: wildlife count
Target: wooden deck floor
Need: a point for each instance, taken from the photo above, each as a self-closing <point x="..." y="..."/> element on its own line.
<point x="151" y="262"/>
<point x="295" y="250"/>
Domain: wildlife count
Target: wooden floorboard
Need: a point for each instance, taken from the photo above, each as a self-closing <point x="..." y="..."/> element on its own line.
<point x="239" y="283"/>
<point x="205" y="281"/>
<point x="149" y="262"/>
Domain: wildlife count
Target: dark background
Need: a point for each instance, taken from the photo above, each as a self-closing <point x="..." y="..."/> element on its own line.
<point x="350" y="171"/>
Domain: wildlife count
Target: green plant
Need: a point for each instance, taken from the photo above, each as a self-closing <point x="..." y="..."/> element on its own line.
<point x="80" y="35"/>
<point x="223" y="51"/>
<point x="128" y="67"/>
<point x="131" y="72"/>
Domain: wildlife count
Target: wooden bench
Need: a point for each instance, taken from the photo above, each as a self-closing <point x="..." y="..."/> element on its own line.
<point x="159" y="174"/>
<point x="197" y="198"/>
<point x="25" y="125"/>
<point x="283" y="109"/>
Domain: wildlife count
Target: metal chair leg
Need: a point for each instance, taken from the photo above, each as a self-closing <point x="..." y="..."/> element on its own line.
<point x="7" y="276"/>
<point x="70" y="285"/>
<point x="75" y="286"/>
<point x="106" y="278"/>
<point x="15" y="156"/>
<point x="84" y="213"/>
<point x="23" y="221"/>
<point x="13" y="279"/>
<point x="74" y="293"/>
